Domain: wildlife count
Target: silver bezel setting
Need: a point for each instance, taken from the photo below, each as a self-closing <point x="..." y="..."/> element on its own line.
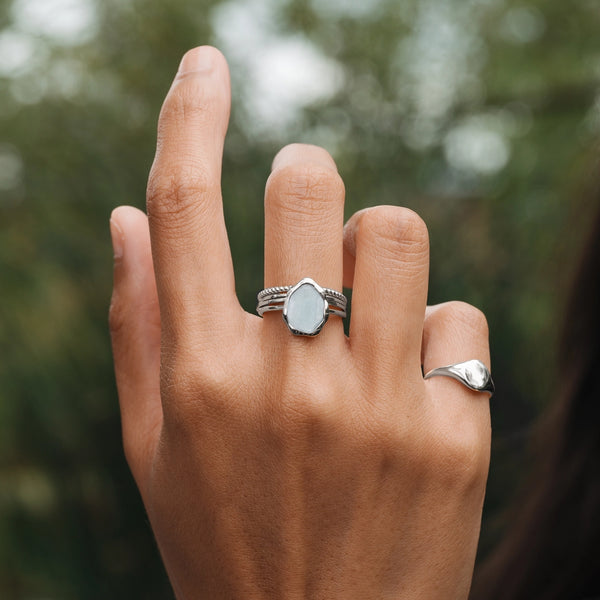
<point x="278" y="298"/>
<point x="321" y="292"/>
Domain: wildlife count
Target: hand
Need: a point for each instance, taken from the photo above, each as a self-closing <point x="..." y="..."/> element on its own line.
<point x="279" y="466"/>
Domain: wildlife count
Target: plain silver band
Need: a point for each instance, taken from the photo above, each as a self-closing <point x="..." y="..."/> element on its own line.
<point x="463" y="372"/>
<point x="273" y="298"/>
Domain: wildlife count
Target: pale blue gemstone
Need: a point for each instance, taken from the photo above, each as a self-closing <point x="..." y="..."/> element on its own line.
<point x="305" y="309"/>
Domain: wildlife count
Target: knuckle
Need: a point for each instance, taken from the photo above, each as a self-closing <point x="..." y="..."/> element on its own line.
<point x="465" y="316"/>
<point x="396" y="224"/>
<point x="304" y="188"/>
<point x="310" y="407"/>
<point x="397" y="443"/>
<point x="177" y="190"/>
<point x="394" y="444"/>
<point x="472" y="317"/>
<point x="194" y="387"/>
<point x="396" y="231"/>
<point x="460" y="458"/>
<point x="187" y="379"/>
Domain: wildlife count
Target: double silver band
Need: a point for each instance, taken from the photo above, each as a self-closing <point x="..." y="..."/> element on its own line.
<point x="306" y="306"/>
<point x="471" y="373"/>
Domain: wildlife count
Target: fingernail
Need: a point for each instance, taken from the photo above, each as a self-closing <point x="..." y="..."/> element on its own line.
<point x="198" y="60"/>
<point x="118" y="239"/>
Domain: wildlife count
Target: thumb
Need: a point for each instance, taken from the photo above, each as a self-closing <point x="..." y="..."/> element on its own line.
<point x="135" y="332"/>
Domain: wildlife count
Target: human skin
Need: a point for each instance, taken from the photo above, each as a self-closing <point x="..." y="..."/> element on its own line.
<point x="281" y="466"/>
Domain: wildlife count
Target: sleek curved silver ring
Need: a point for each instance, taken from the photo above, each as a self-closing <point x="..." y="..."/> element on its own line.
<point x="471" y="373"/>
<point x="306" y="306"/>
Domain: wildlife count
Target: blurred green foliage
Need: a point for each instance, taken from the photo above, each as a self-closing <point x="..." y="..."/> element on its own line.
<point x="481" y="115"/>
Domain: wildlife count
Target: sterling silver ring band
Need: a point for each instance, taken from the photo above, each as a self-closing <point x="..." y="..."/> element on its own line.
<point x="306" y="306"/>
<point x="471" y="373"/>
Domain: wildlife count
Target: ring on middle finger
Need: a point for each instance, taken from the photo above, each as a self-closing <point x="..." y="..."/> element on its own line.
<point x="306" y="306"/>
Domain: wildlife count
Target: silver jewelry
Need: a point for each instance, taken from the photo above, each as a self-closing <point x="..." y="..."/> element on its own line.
<point x="306" y="306"/>
<point x="472" y="373"/>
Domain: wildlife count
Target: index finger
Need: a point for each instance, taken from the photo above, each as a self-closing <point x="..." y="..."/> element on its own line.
<point x="192" y="260"/>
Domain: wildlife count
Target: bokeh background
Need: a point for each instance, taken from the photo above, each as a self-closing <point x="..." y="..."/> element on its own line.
<point x="481" y="115"/>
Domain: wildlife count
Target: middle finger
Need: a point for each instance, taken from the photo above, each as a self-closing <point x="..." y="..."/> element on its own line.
<point x="304" y="217"/>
